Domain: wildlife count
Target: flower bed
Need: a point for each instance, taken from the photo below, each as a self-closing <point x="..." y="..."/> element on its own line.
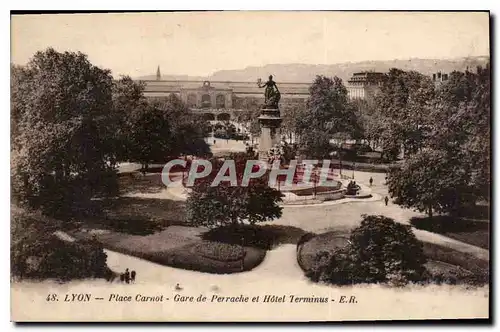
<point x="219" y="251"/>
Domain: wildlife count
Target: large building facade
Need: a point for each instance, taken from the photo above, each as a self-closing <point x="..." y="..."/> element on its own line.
<point x="364" y="85"/>
<point x="224" y="99"/>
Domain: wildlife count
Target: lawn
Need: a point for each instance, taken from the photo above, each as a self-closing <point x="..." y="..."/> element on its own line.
<point x="136" y="182"/>
<point x="156" y="230"/>
<point x="264" y="237"/>
<point x="363" y="165"/>
<point x="312" y="191"/>
<point x="473" y="230"/>
<point x="181" y="247"/>
<point x="322" y="242"/>
<point x="478" y="269"/>
<point x="135" y="215"/>
<point x="444" y="264"/>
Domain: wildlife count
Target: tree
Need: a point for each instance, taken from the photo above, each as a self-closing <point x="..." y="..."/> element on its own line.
<point x="446" y="136"/>
<point x="254" y="128"/>
<point x="62" y="145"/>
<point x="379" y="250"/>
<point x="315" y="144"/>
<point x="249" y="115"/>
<point x="159" y="129"/>
<point x="188" y="130"/>
<point x="290" y="117"/>
<point x="222" y="205"/>
<point x="129" y="103"/>
<point x="462" y="118"/>
<point x="431" y="180"/>
<point x="150" y="136"/>
<point x="329" y="112"/>
<point x="401" y="113"/>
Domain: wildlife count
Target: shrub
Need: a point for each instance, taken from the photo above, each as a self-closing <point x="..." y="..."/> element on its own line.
<point x="387" y="250"/>
<point x="37" y="253"/>
<point x="380" y="250"/>
<point x="54" y="258"/>
<point x="335" y="267"/>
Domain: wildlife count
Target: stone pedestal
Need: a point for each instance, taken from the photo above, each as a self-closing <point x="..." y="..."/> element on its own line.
<point x="270" y="122"/>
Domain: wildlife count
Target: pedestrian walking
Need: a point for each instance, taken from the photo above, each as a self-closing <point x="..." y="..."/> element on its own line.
<point x="132" y="276"/>
<point x="127" y="276"/>
<point x="371" y="181"/>
<point x="386" y="199"/>
<point x="122" y="277"/>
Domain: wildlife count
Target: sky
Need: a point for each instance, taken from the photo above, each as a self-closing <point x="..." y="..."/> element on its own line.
<point x="199" y="44"/>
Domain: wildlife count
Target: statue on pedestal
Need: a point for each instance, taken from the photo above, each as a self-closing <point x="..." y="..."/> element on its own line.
<point x="272" y="95"/>
<point x="269" y="119"/>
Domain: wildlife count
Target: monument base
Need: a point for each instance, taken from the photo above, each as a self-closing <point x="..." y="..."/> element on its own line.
<point x="270" y="122"/>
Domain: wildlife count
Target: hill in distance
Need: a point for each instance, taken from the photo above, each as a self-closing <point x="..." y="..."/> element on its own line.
<point x="307" y="73"/>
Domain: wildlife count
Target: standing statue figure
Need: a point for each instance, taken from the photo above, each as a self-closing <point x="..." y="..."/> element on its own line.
<point x="272" y="94"/>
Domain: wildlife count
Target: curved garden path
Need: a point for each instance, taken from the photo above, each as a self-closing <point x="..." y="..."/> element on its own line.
<point x="345" y="214"/>
<point x="278" y="275"/>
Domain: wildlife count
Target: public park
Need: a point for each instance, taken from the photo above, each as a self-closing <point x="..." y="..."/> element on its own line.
<point x="397" y="195"/>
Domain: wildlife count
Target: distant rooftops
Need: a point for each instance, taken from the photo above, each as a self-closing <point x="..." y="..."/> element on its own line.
<point x="369" y="77"/>
<point x="439" y="77"/>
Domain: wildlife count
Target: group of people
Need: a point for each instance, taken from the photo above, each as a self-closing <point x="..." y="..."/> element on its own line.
<point x="352" y="188"/>
<point x="128" y="276"/>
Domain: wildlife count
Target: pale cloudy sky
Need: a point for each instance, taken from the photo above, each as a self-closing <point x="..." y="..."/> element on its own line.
<point x="201" y="43"/>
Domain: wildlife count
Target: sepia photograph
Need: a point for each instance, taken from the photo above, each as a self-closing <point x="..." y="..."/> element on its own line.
<point x="250" y="166"/>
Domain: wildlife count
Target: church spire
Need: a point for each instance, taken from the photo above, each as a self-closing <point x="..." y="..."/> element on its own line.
<point x="158" y="74"/>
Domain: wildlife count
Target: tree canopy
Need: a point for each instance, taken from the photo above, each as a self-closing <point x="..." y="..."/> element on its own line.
<point x="224" y="204"/>
<point x="329" y="113"/>
<point x="447" y="164"/>
<point x="155" y="130"/>
<point x="462" y="118"/>
<point x="401" y="112"/>
<point x="63" y="148"/>
<point x="431" y="180"/>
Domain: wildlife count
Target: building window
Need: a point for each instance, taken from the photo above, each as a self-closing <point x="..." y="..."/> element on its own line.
<point x="209" y="116"/>
<point x="220" y="101"/>
<point x="205" y="101"/>
<point x="223" y="117"/>
<point x="191" y="100"/>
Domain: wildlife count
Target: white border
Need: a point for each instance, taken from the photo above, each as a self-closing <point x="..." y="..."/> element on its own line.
<point x="492" y="5"/>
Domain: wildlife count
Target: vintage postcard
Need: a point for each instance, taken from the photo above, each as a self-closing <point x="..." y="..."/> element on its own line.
<point x="250" y="166"/>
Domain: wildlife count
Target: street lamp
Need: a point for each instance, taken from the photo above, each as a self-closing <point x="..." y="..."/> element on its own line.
<point x="353" y="167"/>
<point x="243" y="250"/>
<point x="315" y="179"/>
<point x="340" y="161"/>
